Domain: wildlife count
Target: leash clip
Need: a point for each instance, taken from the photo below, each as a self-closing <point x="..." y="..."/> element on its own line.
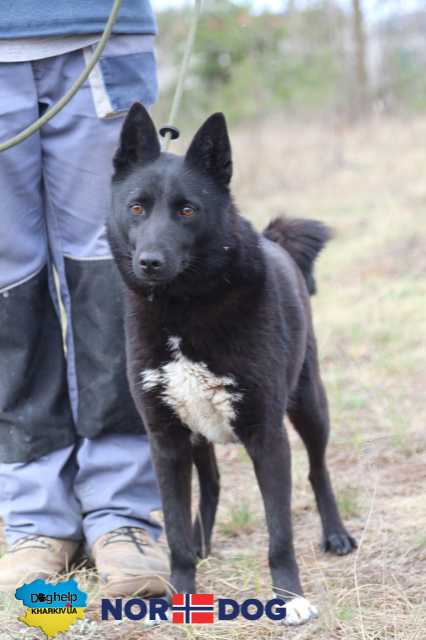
<point x="168" y="128"/>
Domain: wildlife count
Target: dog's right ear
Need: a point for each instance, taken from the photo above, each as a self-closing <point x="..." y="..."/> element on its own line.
<point x="139" y="140"/>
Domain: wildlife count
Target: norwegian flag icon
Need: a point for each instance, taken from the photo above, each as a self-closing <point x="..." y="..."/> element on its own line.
<point x="193" y="608"/>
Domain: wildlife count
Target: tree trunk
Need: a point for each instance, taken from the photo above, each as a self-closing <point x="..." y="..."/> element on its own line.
<point x="289" y="7"/>
<point x="362" y="89"/>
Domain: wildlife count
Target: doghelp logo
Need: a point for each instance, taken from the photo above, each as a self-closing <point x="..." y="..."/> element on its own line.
<point x="53" y="608"/>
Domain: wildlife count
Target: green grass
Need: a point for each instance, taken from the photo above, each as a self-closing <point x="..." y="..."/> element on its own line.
<point x="348" y="501"/>
<point x="240" y="520"/>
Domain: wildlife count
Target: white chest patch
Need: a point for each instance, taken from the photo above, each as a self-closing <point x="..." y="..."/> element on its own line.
<point x="204" y="402"/>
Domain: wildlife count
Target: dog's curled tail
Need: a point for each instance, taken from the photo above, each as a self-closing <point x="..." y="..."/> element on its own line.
<point x="303" y="240"/>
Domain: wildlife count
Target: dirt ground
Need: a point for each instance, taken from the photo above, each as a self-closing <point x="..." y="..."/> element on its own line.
<point x="368" y="182"/>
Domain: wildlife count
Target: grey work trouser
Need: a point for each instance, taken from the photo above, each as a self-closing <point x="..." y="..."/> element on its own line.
<point x="74" y="456"/>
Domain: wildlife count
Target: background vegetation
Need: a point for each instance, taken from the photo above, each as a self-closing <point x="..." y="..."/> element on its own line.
<point x="315" y="57"/>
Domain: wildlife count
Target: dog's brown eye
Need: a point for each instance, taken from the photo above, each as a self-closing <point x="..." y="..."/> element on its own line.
<point x="137" y="209"/>
<point x="186" y="212"/>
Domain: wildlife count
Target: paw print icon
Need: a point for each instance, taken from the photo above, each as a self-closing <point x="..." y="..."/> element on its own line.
<point x="41" y="597"/>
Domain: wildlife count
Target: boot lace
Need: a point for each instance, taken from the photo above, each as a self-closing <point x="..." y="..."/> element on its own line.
<point x="135" y="535"/>
<point x="31" y="542"/>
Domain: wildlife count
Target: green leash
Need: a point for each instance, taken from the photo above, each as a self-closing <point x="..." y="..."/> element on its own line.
<point x="182" y="75"/>
<point x="37" y="124"/>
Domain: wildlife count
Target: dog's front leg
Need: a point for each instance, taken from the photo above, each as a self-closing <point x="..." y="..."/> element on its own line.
<point x="173" y="461"/>
<point x="268" y="447"/>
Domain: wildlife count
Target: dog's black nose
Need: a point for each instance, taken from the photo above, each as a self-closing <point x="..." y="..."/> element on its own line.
<point x="151" y="262"/>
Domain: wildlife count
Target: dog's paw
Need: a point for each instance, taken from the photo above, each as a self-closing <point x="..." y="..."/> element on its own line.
<point x="339" y="543"/>
<point x="298" y="611"/>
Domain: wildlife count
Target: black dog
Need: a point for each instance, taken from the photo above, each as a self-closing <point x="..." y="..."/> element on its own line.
<point x="220" y="342"/>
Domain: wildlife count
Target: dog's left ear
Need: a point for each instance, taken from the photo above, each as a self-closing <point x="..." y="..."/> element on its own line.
<point x="210" y="149"/>
<point x="138" y="141"/>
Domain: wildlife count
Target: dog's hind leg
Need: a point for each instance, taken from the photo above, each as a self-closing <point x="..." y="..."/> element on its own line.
<point x="308" y="411"/>
<point x="208" y="473"/>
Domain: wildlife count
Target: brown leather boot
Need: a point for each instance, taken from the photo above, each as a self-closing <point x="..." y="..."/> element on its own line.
<point x="35" y="557"/>
<point x="130" y="563"/>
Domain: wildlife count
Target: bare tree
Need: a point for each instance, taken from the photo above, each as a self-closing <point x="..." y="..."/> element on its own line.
<point x="289" y="6"/>
<point x="360" y="40"/>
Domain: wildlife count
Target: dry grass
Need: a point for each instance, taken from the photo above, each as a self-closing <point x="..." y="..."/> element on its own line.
<point x="368" y="183"/>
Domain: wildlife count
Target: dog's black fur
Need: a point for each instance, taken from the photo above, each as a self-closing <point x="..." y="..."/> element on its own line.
<point x="239" y="301"/>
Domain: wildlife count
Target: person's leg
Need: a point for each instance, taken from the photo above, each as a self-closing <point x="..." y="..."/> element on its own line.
<point x="35" y="417"/>
<point x="41" y="517"/>
<point x="121" y="466"/>
<point x="115" y="481"/>
<point x="38" y="497"/>
<point x="118" y="491"/>
<point x="36" y="425"/>
<point x="77" y="148"/>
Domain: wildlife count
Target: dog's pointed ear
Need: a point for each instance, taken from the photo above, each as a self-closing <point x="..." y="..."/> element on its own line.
<point x="138" y="141"/>
<point x="210" y="150"/>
